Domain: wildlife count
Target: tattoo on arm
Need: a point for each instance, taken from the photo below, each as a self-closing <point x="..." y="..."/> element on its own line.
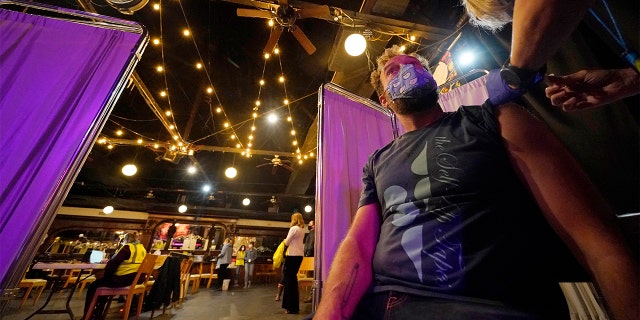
<point x="347" y="292"/>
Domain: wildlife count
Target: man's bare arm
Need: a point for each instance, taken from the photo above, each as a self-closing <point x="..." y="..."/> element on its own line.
<point x="573" y="207"/>
<point x="351" y="273"/>
<point x="540" y="27"/>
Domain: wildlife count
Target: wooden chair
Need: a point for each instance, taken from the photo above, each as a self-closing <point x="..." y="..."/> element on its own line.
<point x="144" y="271"/>
<point x="194" y="279"/>
<point x="305" y="273"/>
<point x="29" y="284"/>
<point x="267" y="271"/>
<point x="185" y="269"/>
<point x="84" y="282"/>
<point x="72" y="278"/>
<point x="209" y="275"/>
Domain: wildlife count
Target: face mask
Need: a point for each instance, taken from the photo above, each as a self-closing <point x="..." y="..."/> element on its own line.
<point x="410" y="82"/>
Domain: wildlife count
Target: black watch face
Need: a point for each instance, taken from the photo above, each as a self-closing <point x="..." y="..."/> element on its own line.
<point x="510" y="77"/>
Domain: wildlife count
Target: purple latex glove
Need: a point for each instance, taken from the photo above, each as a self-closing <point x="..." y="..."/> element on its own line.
<point x="499" y="92"/>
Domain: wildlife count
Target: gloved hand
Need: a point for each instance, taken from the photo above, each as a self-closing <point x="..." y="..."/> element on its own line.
<point x="498" y="90"/>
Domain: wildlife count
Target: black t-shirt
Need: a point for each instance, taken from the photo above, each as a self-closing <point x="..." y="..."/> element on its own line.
<point x="457" y="223"/>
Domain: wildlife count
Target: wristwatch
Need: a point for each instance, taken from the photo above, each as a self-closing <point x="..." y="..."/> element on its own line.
<point x="518" y="78"/>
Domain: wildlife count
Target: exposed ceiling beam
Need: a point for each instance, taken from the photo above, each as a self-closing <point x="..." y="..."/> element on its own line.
<point x="193" y="147"/>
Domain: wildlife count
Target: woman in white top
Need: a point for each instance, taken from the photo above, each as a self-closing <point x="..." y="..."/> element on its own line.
<point x="292" y="261"/>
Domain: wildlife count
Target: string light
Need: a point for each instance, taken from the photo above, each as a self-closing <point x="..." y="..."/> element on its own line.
<point x="219" y="109"/>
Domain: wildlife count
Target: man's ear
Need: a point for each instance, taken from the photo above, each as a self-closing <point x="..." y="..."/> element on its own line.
<point x="384" y="101"/>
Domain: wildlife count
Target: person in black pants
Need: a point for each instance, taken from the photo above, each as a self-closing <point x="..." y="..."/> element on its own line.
<point x="295" y="242"/>
<point x="224" y="259"/>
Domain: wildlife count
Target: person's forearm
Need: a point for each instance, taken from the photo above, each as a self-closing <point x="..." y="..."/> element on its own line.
<point x="349" y="279"/>
<point x="540" y="27"/>
<point x="351" y="270"/>
<point x="573" y="207"/>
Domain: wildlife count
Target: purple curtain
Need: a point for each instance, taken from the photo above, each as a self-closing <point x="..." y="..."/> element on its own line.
<point x="351" y="128"/>
<point x="472" y="93"/>
<point x="58" y="81"/>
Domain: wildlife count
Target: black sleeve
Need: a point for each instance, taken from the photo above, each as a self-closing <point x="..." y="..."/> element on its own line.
<point x="114" y="263"/>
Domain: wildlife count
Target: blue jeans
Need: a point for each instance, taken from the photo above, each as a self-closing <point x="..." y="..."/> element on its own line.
<point x="248" y="272"/>
<point x="391" y="305"/>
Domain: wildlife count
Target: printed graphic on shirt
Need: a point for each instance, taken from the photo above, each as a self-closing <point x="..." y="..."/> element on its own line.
<point x="434" y="256"/>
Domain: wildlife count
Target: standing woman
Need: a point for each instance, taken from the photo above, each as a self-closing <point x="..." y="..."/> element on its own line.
<point x="239" y="263"/>
<point x="292" y="261"/>
<point x="224" y="259"/>
<point x="249" y="261"/>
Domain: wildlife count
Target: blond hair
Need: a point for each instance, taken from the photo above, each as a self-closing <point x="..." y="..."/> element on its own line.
<point x="297" y="220"/>
<point x="491" y="15"/>
<point x="384" y="58"/>
<point x="130" y="237"/>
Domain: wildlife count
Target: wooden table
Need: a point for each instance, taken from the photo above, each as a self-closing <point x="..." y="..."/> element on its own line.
<point x="59" y="268"/>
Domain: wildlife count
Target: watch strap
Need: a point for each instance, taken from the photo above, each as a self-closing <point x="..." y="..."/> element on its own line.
<point x="519" y="77"/>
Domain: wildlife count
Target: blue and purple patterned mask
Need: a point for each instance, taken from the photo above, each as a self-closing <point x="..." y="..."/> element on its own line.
<point x="410" y="82"/>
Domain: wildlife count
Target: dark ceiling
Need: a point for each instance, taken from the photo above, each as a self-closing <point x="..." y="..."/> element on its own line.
<point x="230" y="49"/>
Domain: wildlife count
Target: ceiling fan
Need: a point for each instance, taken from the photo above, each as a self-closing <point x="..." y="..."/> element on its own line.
<point x="285" y="16"/>
<point x="276" y="162"/>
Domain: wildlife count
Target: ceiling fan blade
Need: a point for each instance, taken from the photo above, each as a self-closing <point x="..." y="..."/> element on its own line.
<point x="262" y="165"/>
<point x="302" y="38"/>
<point x="315" y="11"/>
<point x="287" y="167"/>
<point x="274" y="169"/>
<point x="283" y="2"/>
<point x="253" y="13"/>
<point x="273" y="39"/>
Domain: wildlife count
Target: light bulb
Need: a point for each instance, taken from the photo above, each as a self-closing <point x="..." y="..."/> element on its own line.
<point x="107" y="210"/>
<point x="231" y="172"/>
<point x="246" y="201"/>
<point x="129" y="170"/>
<point x="355" y="44"/>
<point x="182" y="209"/>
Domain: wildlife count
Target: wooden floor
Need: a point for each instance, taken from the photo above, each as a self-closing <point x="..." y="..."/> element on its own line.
<point x="256" y="302"/>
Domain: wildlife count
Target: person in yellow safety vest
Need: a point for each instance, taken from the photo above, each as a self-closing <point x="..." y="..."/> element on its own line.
<point x="120" y="270"/>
